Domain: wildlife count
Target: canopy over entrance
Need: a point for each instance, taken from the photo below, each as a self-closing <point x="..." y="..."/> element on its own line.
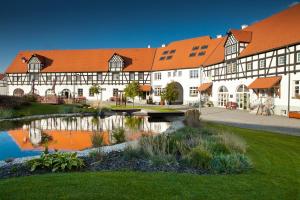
<point x="265" y="83"/>
<point x="145" y="88"/>
<point x="204" y="87"/>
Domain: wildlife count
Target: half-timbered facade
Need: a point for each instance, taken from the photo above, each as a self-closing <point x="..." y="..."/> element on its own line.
<point x="257" y="65"/>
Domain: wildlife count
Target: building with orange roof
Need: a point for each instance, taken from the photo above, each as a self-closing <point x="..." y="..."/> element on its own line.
<point x="228" y="64"/>
<point x="3" y="85"/>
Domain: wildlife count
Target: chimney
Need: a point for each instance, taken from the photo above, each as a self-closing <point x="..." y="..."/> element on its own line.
<point x="24" y="60"/>
<point x="163" y="45"/>
<point x="149" y="46"/>
<point x="219" y="36"/>
<point x="244" y="26"/>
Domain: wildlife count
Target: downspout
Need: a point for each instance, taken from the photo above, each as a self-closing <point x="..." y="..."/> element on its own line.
<point x="289" y="81"/>
<point x="200" y="104"/>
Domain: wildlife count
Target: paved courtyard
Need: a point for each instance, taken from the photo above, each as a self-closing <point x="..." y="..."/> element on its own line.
<point x="244" y="119"/>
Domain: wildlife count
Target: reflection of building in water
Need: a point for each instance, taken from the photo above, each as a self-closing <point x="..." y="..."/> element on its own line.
<point x="75" y="133"/>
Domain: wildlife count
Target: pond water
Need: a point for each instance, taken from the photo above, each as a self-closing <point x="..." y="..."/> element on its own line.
<point x="71" y="134"/>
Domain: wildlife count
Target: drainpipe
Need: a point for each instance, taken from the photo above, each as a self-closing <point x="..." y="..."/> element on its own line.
<point x="200" y="104"/>
<point x="289" y="81"/>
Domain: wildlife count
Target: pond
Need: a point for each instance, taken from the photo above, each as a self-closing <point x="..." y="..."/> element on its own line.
<point x="71" y="134"/>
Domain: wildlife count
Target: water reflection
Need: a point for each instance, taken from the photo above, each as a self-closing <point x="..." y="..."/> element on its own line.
<point x="75" y="133"/>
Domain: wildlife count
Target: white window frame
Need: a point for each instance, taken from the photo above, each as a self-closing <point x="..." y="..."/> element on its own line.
<point x="157" y="76"/>
<point x="169" y="74"/>
<point x="262" y="63"/>
<point x="229" y="68"/>
<point x="131" y="76"/>
<point x="296" y="85"/>
<point x="281" y="60"/>
<point x="249" y="66"/>
<point x="233" y="67"/>
<point x="157" y="91"/>
<point x="298" y="57"/>
<point x="116" y="76"/>
<point x="193" y="91"/>
<point x="194" y="73"/>
<point x="179" y="73"/>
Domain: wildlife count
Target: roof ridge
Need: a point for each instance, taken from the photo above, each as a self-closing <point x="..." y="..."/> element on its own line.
<point x="223" y="38"/>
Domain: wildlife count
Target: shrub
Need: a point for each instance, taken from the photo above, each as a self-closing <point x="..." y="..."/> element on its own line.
<point x="199" y="158"/>
<point x="192" y="118"/>
<point x="230" y="163"/>
<point x="131" y="153"/>
<point x="6" y="113"/>
<point x="97" y="139"/>
<point x="57" y="161"/>
<point x="30" y="98"/>
<point x="96" y="155"/>
<point x="119" y="135"/>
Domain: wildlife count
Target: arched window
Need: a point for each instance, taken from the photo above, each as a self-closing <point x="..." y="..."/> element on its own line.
<point x="66" y="93"/>
<point x="18" y="92"/>
<point x="243" y="97"/>
<point x="223" y="89"/>
<point x="49" y="92"/>
<point x="242" y="88"/>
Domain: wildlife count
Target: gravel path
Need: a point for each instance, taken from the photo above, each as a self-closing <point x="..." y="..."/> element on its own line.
<point x="244" y="119"/>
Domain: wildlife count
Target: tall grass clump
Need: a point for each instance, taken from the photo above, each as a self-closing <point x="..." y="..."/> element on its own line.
<point x="119" y="135"/>
<point x="97" y="139"/>
<point x="202" y="149"/>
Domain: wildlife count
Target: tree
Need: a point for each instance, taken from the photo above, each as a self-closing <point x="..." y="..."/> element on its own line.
<point x="132" y="90"/>
<point x="170" y="92"/>
<point x="96" y="89"/>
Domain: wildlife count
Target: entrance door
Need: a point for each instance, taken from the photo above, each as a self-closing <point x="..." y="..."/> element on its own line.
<point x="243" y="97"/>
<point x="223" y="96"/>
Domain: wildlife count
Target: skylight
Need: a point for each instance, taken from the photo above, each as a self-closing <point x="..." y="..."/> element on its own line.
<point x="192" y="54"/>
<point x="172" y="51"/>
<point x="195" y="48"/>
<point x="204" y="47"/>
<point x="202" y="53"/>
<point x="165" y="52"/>
<point x="162" y="58"/>
<point x="169" y="57"/>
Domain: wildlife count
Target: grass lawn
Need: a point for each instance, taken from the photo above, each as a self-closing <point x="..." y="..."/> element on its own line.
<point x="276" y="176"/>
<point x="150" y="108"/>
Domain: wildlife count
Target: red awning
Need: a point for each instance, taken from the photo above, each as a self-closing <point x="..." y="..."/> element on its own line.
<point x="205" y="86"/>
<point x="265" y="83"/>
<point x="145" y="88"/>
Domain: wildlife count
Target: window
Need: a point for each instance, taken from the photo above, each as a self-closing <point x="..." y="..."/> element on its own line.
<point x="157" y="91"/>
<point x="228" y="50"/>
<point x="195" y="48"/>
<point x="233" y="70"/>
<point x="193" y="73"/>
<point x="91" y="94"/>
<point x="202" y="53"/>
<point x="281" y="60"/>
<point x="229" y="67"/>
<point x="193" y="91"/>
<point x="162" y="58"/>
<point x="141" y="76"/>
<point x="157" y="76"/>
<point x="262" y="63"/>
<point x="169" y="74"/>
<point x="15" y="78"/>
<point x="297" y="89"/>
<point x="169" y="57"/>
<point x="174" y="73"/>
<point x="298" y="57"/>
<point x="33" y="77"/>
<point x="131" y="76"/>
<point x="204" y="47"/>
<point x="216" y="72"/>
<point x="80" y="92"/>
<point x="192" y="54"/>
<point x="165" y="52"/>
<point x="69" y="78"/>
<point x="48" y="77"/>
<point x="249" y="66"/>
<point x="90" y="78"/>
<point x="173" y="51"/>
<point x="179" y="73"/>
<point x="116" y="76"/>
<point x="233" y="48"/>
<point x="99" y="76"/>
<point x="209" y="73"/>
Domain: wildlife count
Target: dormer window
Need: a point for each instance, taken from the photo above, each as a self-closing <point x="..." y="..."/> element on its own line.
<point x="34" y="64"/>
<point x="116" y="63"/>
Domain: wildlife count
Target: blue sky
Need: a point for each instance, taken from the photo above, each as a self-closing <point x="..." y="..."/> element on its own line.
<point x="86" y="24"/>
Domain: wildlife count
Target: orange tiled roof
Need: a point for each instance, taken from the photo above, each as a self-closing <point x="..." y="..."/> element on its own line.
<point x="241" y="35"/>
<point x="85" y="60"/>
<point x="181" y="59"/>
<point x="217" y="55"/>
<point x="277" y="31"/>
<point x="145" y="88"/>
<point x="265" y="83"/>
<point x="205" y="86"/>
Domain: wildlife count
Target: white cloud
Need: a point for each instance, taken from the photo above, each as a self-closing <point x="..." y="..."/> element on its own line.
<point x="293" y="4"/>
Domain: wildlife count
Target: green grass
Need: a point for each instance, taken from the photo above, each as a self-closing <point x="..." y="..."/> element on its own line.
<point x="150" y="108"/>
<point x="276" y="176"/>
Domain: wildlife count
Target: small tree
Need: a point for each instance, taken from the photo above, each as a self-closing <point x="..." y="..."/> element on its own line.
<point x="96" y="89"/>
<point x="132" y="90"/>
<point x="170" y="93"/>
